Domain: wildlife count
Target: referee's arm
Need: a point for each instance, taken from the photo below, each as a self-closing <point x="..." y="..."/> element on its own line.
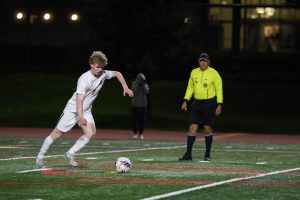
<point x="189" y="90"/>
<point x="188" y="94"/>
<point x="219" y="89"/>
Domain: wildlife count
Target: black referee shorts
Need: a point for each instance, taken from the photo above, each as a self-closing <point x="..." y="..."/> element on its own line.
<point x="203" y="112"/>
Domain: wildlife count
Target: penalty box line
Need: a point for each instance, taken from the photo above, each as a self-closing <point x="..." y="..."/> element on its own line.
<point x="179" y="192"/>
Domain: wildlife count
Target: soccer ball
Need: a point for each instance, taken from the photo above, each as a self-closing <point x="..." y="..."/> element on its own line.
<point x="123" y="165"/>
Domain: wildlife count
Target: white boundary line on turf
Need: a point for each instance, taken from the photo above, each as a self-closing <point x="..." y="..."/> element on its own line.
<point x="33" y="170"/>
<point x="99" y="152"/>
<point x="216" y="184"/>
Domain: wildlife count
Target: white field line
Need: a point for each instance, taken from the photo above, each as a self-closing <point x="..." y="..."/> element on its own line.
<point x="13" y="147"/>
<point x="179" y="192"/>
<point x="33" y="170"/>
<point x="98" y="152"/>
<point x="90" y="153"/>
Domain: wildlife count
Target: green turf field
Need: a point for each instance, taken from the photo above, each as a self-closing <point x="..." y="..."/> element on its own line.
<point x="155" y="171"/>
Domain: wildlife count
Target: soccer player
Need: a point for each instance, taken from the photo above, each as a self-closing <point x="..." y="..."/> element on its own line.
<point x="79" y="107"/>
<point x="205" y="85"/>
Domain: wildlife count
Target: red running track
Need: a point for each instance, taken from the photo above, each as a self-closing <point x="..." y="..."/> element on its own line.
<point x="156" y="135"/>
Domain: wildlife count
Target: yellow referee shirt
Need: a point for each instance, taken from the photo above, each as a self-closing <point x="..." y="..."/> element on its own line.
<point x="204" y="85"/>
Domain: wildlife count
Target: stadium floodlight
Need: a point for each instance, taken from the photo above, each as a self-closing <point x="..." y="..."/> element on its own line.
<point x="47" y="16"/>
<point x="74" y="17"/>
<point x="19" y="16"/>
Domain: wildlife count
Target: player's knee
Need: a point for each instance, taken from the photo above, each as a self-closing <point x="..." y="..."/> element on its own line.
<point x="90" y="134"/>
<point x="193" y="128"/>
<point x="93" y="134"/>
<point x="56" y="134"/>
<point x="207" y="129"/>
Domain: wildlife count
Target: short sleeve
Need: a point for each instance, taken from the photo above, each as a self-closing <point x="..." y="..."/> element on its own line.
<point x="81" y="85"/>
<point x="108" y="74"/>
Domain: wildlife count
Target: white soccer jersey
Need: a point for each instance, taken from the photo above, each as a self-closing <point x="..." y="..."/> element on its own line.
<point x="89" y="86"/>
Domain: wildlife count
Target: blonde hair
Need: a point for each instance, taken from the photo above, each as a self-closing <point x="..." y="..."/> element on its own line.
<point x="99" y="58"/>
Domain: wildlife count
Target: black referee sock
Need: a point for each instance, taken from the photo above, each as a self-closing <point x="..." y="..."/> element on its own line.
<point x="190" y="143"/>
<point x="208" y="144"/>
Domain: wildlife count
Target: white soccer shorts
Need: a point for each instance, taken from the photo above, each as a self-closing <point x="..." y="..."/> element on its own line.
<point x="69" y="119"/>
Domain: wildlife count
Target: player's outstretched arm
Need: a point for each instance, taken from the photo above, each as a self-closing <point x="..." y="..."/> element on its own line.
<point x="121" y="79"/>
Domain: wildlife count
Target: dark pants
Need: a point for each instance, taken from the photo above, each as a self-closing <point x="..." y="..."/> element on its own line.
<point x="139" y="115"/>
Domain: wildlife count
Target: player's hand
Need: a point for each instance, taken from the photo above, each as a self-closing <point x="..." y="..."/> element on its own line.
<point x="128" y="91"/>
<point x="184" y="106"/>
<point x="82" y="122"/>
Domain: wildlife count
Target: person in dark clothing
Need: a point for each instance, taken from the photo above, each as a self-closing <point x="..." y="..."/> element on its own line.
<point x="139" y="105"/>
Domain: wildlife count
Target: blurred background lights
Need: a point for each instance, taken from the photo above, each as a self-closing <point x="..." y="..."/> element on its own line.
<point x="74" y="17"/>
<point x="47" y="16"/>
<point x="265" y="12"/>
<point x="270" y="11"/>
<point x="19" y="15"/>
<point x="260" y="10"/>
<point x="187" y="20"/>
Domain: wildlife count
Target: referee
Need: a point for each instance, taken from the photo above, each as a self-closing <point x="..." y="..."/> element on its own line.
<point x="205" y="86"/>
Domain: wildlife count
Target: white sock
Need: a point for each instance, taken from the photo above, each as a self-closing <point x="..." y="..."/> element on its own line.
<point x="47" y="142"/>
<point x="80" y="143"/>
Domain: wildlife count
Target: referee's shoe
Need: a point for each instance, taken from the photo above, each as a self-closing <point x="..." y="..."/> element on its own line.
<point x="206" y="157"/>
<point x="186" y="156"/>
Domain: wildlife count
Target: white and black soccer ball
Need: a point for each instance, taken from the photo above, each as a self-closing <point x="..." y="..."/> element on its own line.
<point x="123" y="165"/>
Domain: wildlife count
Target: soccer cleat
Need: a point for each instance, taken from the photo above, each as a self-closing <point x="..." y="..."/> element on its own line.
<point x="39" y="163"/>
<point x="186" y="156"/>
<point x="141" y="137"/>
<point x="135" y="136"/>
<point x="70" y="157"/>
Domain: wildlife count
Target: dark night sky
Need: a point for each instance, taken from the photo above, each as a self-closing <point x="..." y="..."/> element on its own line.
<point x="149" y="35"/>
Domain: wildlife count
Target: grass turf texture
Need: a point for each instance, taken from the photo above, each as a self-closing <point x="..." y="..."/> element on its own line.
<point x="154" y="172"/>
